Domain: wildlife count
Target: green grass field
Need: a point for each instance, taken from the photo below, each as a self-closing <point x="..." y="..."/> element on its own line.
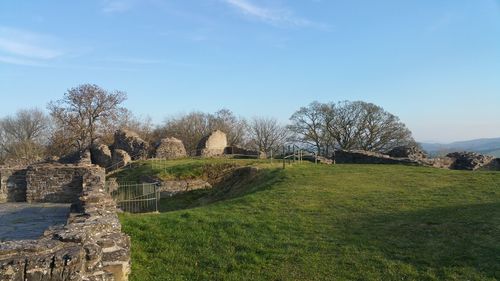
<point x="314" y="222"/>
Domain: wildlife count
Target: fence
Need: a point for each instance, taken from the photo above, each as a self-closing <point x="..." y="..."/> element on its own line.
<point x="137" y="198"/>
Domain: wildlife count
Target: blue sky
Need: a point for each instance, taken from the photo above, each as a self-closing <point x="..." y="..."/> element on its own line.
<point x="435" y="64"/>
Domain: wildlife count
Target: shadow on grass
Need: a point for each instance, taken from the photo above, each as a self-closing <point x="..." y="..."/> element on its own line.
<point x="440" y="238"/>
<point x="246" y="181"/>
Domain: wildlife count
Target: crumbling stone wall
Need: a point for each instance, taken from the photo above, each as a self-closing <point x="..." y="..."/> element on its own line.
<point x="12" y="185"/>
<point x="411" y="152"/>
<point x="212" y="145"/>
<point x="494" y="165"/>
<point x="469" y="160"/>
<point x="170" y="148"/>
<point x="239" y="151"/>
<point x="130" y="142"/>
<point x="101" y="155"/>
<point x="90" y="246"/>
<point x="368" y="157"/>
<point x="55" y="183"/>
<point x="173" y="187"/>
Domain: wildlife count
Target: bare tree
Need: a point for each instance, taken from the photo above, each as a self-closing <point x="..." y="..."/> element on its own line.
<point x="366" y="126"/>
<point x="309" y="126"/>
<point x="84" y="111"/>
<point x="189" y="128"/>
<point x="343" y="123"/>
<point x="267" y="134"/>
<point x="226" y="121"/>
<point x="25" y="134"/>
<point x="143" y="126"/>
<point x="192" y="127"/>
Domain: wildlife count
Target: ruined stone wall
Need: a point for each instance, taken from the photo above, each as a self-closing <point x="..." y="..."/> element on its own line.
<point x="55" y="183"/>
<point x="366" y="157"/>
<point x="212" y="145"/>
<point x="12" y="185"/>
<point x="90" y="246"/>
<point x="173" y="187"/>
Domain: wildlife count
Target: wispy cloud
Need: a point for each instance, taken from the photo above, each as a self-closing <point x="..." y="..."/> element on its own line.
<point x="146" y="62"/>
<point x="282" y="16"/>
<point x="19" y="61"/>
<point x="21" y="46"/>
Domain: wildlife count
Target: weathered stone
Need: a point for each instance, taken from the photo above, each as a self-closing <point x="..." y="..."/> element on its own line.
<point x="318" y="159"/>
<point x="89" y="247"/>
<point x="368" y="157"/>
<point x="12" y="184"/>
<point x="56" y="183"/>
<point x="494" y="165"/>
<point x="469" y="160"/>
<point x="130" y="142"/>
<point x="170" y="148"/>
<point x="112" y="185"/>
<point x="212" y="145"/>
<point x="85" y="158"/>
<point x="101" y="155"/>
<point x="242" y="152"/>
<point x="441" y="162"/>
<point x="120" y="158"/>
<point x="411" y="152"/>
<point x="173" y="187"/>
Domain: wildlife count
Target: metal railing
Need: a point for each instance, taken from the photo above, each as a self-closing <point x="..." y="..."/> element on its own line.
<point x="137" y="198"/>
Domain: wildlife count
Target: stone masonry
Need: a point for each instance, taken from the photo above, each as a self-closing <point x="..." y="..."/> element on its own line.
<point x="212" y="145"/>
<point x="367" y="157"/>
<point x="89" y="247"/>
<point x="55" y="183"/>
<point x="170" y="148"/>
<point x="12" y="185"/>
<point x="130" y="142"/>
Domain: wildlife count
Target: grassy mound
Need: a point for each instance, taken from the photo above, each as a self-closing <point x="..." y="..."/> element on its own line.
<point x="343" y="222"/>
<point x="177" y="170"/>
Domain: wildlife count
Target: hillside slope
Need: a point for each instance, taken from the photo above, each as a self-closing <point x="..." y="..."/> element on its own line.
<point x="343" y="222"/>
<point x="483" y="146"/>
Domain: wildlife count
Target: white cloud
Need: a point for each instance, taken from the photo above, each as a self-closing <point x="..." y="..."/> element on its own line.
<point x="26" y="48"/>
<point x="272" y="16"/>
<point x="18" y="61"/>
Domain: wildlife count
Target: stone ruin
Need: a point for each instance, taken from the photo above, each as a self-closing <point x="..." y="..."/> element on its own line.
<point x="369" y="157"/>
<point x="411" y="152"/>
<point x="127" y="146"/>
<point x="102" y="155"/>
<point x="212" y="145"/>
<point x="242" y="152"/>
<point x="414" y="156"/>
<point x="469" y="161"/>
<point x="318" y="159"/>
<point x="120" y="158"/>
<point x="90" y="246"/>
<point x="494" y="165"/>
<point x="131" y="143"/>
<point x="170" y="148"/>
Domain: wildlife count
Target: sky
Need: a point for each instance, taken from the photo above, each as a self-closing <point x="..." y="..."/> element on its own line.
<point x="435" y="64"/>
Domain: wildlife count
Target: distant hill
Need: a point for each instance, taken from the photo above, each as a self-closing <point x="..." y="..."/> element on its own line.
<point x="483" y="146"/>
